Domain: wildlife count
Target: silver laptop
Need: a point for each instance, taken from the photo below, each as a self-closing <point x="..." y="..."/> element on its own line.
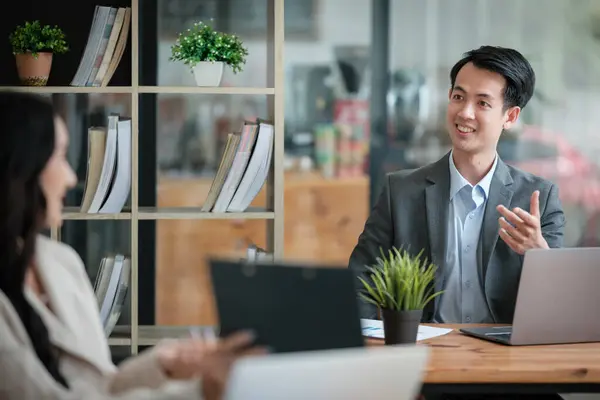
<point x="382" y="373"/>
<point x="557" y="302"/>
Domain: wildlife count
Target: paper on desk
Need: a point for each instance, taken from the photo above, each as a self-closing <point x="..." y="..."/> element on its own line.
<point x="374" y="328"/>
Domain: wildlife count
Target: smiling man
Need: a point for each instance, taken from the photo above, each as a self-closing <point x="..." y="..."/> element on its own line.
<point x="473" y="215"/>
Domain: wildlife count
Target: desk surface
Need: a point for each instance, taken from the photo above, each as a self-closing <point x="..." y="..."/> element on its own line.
<point x="456" y="358"/>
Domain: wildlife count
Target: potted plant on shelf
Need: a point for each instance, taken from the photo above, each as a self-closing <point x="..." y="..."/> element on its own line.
<point x="206" y="51"/>
<point x="33" y="46"/>
<point x="400" y="285"/>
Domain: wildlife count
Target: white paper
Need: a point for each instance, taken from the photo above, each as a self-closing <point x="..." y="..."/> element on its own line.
<point x="374" y="328"/>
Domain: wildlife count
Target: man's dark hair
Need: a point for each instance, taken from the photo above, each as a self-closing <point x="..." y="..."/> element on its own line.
<point x="519" y="75"/>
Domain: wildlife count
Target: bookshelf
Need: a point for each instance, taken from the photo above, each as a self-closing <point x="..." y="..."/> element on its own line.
<point x="126" y="80"/>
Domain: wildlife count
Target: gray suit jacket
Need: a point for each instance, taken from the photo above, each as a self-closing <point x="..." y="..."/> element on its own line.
<point x="412" y="210"/>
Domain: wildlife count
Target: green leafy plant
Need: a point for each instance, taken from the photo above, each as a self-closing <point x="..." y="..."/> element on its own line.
<point x="202" y="43"/>
<point x="35" y="38"/>
<point x="400" y="281"/>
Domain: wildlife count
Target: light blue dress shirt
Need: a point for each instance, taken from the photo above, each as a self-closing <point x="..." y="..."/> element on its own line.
<point x="463" y="300"/>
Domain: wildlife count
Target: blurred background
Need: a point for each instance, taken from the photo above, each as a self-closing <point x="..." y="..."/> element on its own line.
<point x="366" y="90"/>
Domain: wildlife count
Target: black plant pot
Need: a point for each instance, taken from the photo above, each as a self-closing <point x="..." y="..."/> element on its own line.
<point x="401" y="327"/>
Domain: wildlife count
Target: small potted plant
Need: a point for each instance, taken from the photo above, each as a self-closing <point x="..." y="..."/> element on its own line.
<point x="206" y="51"/>
<point x="400" y="285"/>
<point x="33" y="46"/>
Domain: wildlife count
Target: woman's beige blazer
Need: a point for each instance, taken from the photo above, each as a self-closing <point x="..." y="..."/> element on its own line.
<point x="76" y="332"/>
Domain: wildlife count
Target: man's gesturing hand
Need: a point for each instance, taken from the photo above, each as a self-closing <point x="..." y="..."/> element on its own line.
<point x="522" y="230"/>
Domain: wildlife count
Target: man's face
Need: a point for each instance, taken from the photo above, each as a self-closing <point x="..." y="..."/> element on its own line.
<point x="476" y="116"/>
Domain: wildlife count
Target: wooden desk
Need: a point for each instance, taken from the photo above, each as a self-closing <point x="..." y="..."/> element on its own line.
<point x="459" y="363"/>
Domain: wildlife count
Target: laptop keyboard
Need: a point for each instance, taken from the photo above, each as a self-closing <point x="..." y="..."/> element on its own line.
<point x="502" y="333"/>
<point x="502" y="336"/>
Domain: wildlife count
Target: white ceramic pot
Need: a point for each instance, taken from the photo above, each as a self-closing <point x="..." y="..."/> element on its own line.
<point x="208" y="73"/>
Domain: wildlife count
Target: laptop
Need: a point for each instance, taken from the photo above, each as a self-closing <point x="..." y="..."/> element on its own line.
<point x="290" y="307"/>
<point x="557" y="301"/>
<point x="382" y="373"/>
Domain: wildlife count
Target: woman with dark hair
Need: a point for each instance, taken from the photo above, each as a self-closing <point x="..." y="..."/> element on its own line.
<point x="52" y="345"/>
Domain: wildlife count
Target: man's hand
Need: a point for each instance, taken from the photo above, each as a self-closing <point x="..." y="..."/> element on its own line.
<point x="522" y="230"/>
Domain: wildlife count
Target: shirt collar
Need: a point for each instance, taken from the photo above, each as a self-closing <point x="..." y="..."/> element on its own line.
<point x="457" y="181"/>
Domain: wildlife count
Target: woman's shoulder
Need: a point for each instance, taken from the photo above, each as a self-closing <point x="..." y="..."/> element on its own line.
<point x="46" y="244"/>
<point x="50" y="250"/>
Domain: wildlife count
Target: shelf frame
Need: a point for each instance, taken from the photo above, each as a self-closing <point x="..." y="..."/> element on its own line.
<point x="137" y="335"/>
<point x="67" y="89"/>
<point x="158" y="213"/>
<point x="266" y="91"/>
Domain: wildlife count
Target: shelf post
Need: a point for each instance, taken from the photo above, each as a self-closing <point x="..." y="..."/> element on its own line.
<point x="276" y="80"/>
<point x="134" y="282"/>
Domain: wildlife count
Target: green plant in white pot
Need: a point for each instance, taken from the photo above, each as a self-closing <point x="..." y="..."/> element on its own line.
<point x="207" y="51"/>
<point x="400" y="285"/>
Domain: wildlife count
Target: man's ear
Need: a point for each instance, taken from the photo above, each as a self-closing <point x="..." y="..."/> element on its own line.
<point x="512" y="115"/>
<point x="449" y="93"/>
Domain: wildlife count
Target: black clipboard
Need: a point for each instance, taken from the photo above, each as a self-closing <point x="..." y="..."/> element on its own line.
<point x="290" y="307"/>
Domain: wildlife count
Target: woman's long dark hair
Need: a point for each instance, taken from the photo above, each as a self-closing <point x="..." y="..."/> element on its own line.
<point x="26" y="144"/>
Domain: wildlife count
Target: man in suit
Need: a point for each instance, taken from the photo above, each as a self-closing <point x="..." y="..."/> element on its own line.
<point x="473" y="215"/>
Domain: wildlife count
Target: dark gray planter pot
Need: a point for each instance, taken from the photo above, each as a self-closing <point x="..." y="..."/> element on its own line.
<point x="401" y="327"/>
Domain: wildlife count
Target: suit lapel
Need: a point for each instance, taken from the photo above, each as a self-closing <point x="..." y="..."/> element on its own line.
<point x="500" y="193"/>
<point x="436" y="202"/>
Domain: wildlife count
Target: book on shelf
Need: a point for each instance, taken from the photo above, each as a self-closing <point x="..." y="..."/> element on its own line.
<point x="104" y="48"/>
<point x="111" y="287"/>
<point x="243" y="169"/>
<point x="108" y="176"/>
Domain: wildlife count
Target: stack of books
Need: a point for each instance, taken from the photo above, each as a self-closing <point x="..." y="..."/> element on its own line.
<point x="105" y="45"/>
<point x="243" y="170"/>
<point x="108" y="178"/>
<point x="110" y="287"/>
